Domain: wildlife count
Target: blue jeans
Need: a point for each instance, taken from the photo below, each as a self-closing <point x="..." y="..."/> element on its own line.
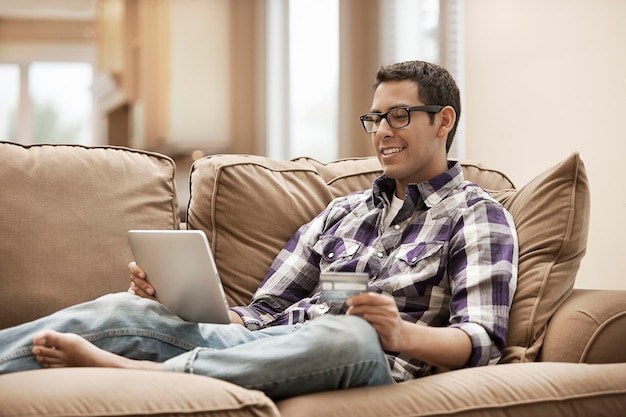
<point x="330" y="352"/>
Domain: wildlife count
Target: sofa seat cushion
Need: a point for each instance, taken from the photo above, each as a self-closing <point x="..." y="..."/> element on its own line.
<point x="520" y="390"/>
<point x="116" y="392"/>
<point x="65" y="213"/>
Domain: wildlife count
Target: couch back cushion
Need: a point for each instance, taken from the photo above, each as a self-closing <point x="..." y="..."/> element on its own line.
<point x="65" y="213"/>
<point x="249" y="206"/>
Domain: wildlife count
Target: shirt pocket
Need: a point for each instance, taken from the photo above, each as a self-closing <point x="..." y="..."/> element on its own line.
<point x="335" y="252"/>
<point x="414" y="253"/>
<point x="416" y="268"/>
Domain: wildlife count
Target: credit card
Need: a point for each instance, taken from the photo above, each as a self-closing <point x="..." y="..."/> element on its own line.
<point x="338" y="286"/>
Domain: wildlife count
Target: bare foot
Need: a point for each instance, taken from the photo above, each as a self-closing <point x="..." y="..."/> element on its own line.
<point x="57" y="350"/>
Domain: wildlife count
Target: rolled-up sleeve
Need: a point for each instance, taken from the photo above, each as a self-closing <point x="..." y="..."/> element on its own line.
<point x="483" y="276"/>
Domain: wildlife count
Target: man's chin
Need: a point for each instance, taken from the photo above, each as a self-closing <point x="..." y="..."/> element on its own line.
<point x="390" y="172"/>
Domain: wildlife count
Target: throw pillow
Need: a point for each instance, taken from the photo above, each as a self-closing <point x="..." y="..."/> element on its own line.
<point x="551" y="214"/>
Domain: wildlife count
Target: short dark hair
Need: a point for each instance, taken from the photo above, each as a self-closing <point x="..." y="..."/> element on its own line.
<point x="435" y="86"/>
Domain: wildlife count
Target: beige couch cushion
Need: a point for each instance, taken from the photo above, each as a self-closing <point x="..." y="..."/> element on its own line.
<point x="116" y="392"/>
<point x="65" y="213"/>
<point x="551" y="214"/>
<point x="519" y="390"/>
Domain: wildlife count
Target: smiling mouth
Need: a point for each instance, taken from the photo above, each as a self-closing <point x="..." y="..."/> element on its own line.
<point x="390" y="151"/>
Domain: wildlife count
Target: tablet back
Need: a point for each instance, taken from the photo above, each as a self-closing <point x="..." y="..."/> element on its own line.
<point x="179" y="265"/>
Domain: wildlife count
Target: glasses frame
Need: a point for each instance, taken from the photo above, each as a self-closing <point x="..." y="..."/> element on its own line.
<point x="431" y="108"/>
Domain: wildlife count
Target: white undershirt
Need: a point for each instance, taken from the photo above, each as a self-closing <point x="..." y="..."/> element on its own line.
<point x="394" y="208"/>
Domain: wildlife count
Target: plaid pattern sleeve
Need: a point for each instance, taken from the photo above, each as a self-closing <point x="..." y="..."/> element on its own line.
<point x="449" y="258"/>
<point x="482" y="268"/>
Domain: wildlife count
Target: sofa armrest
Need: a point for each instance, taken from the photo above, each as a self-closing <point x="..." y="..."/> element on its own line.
<point x="590" y="327"/>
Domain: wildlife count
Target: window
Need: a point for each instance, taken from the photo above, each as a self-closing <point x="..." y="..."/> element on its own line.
<point x="314" y="78"/>
<point x="409" y="30"/>
<point x="303" y="74"/>
<point x="61" y="102"/>
<point x="47" y="102"/>
<point x="9" y="101"/>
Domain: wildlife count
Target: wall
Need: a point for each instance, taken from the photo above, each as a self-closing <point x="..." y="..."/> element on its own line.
<point x="544" y="79"/>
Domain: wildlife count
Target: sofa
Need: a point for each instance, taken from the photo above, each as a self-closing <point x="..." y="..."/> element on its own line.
<point x="66" y="210"/>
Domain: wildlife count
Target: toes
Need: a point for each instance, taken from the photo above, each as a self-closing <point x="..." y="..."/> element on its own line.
<point x="47" y="357"/>
<point x="45" y="349"/>
<point x="47" y="338"/>
<point x="49" y="361"/>
<point x="47" y="352"/>
<point x="39" y="339"/>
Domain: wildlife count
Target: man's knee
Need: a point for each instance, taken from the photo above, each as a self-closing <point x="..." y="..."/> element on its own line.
<point x="123" y="304"/>
<point x="118" y="300"/>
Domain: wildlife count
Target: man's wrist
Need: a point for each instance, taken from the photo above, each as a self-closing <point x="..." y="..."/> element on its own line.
<point x="235" y="318"/>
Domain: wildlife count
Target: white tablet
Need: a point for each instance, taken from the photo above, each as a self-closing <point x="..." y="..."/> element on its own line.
<point x="180" y="266"/>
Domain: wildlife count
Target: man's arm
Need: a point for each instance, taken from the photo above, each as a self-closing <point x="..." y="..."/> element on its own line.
<point x="482" y="270"/>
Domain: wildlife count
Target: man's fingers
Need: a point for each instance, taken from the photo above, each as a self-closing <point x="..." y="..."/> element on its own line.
<point x="370" y="298"/>
<point x="136" y="270"/>
<point x="139" y="285"/>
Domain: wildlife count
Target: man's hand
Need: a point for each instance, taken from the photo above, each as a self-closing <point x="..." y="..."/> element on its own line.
<point x="382" y="313"/>
<point x="139" y="285"/>
<point x="446" y="347"/>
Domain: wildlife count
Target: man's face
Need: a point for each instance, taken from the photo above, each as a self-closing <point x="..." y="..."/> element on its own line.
<point x="414" y="153"/>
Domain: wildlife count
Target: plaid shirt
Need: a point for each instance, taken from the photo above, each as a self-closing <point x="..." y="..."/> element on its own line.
<point x="449" y="258"/>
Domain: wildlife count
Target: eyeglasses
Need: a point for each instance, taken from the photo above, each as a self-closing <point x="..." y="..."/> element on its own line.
<point x="397" y="117"/>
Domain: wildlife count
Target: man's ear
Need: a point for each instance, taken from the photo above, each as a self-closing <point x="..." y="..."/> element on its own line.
<point x="446" y="119"/>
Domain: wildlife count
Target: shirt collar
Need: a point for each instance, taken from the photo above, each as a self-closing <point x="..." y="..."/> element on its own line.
<point x="428" y="193"/>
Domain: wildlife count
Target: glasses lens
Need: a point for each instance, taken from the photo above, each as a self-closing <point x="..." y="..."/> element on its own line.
<point x="370" y="122"/>
<point x="398" y="118"/>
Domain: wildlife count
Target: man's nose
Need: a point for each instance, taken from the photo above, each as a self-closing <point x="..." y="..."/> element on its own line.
<point x="384" y="127"/>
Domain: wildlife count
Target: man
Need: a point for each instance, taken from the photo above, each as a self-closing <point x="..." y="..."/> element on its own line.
<point x="441" y="255"/>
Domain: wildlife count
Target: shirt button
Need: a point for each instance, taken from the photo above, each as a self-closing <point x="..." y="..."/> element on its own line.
<point x="414" y="259"/>
<point x="380" y="254"/>
<point x="331" y="255"/>
<point x="322" y="308"/>
<point x="397" y="227"/>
